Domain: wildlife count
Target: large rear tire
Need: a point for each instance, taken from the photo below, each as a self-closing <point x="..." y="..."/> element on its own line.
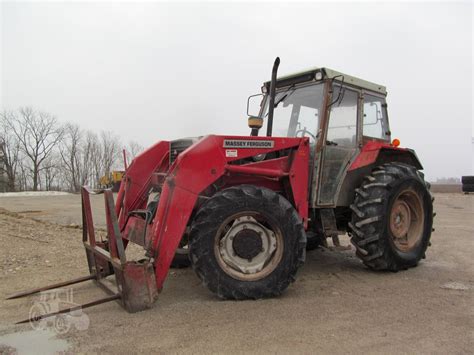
<point x="247" y="242"/>
<point x="392" y="218"/>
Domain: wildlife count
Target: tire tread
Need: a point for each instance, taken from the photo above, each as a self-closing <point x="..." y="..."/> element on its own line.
<point x="368" y="217"/>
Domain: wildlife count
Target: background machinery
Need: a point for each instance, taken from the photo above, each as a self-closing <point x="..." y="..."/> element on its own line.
<point x="111" y="180"/>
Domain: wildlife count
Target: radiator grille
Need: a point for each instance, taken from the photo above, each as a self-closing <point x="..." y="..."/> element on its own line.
<point x="178" y="146"/>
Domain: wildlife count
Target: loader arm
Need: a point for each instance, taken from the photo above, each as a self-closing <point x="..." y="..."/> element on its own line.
<point x="139" y="178"/>
<point x="198" y="167"/>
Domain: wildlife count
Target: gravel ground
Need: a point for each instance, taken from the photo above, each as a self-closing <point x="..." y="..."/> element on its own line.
<point x="335" y="306"/>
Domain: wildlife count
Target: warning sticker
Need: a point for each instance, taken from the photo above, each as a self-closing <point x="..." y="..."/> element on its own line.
<point x="231" y="153"/>
<point x="247" y="143"/>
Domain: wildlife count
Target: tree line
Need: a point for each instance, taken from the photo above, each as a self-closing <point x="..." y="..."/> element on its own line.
<point x="37" y="152"/>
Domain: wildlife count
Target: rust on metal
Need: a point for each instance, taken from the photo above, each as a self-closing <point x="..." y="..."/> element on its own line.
<point x="71" y="309"/>
<point x="49" y="287"/>
<point x="406" y="220"/>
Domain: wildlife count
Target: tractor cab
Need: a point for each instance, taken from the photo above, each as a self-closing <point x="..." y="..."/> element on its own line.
<point x="339" y="114"/>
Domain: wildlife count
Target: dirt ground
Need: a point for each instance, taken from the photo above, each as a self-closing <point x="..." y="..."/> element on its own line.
<point x="335" y="306"/>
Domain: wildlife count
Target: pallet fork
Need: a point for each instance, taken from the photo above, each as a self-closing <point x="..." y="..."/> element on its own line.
<point x="135" y="286"/>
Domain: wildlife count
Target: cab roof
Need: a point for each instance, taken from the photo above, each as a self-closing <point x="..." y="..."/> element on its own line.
<point x="307" y="75"/>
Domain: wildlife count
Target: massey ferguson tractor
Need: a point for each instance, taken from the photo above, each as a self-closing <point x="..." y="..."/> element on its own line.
<point x="242" y="210"/>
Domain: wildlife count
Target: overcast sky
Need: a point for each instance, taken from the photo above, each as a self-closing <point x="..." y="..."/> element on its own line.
<point x="151" y="71"/>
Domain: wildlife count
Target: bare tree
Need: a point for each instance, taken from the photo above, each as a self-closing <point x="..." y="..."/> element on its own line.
<point x="94" y="153"/>
<point x="134" y="149"/>
<point x="50" y="172"/>
<point x="9" y="151"/>
<point x="23" y="175"/>
<point x="38" y="134"/>
<point x="42" y="154"/>
<point x="110" y="149"/>
<point x="88" y="145"/>
<point x="70" y="152"/>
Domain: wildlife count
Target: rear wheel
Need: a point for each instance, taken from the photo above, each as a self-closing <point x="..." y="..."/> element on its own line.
<point x="392" y="218"/>
<point x="247" y="242"/>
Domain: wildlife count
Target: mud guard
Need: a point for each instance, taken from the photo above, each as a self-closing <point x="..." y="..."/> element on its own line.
<point x="378" y="153"/>
<point x="373" y="154"/>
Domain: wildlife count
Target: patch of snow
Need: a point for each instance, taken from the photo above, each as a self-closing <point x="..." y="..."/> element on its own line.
<point x="33" y="193"/>
<point x="40" y="341"/>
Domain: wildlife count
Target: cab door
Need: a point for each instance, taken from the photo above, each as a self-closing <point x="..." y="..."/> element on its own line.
<point x="340" y="143"/>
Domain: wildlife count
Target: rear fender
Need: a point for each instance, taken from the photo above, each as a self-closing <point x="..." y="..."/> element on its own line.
<point x="407" y="156"/>
<point x="373" y="154"/>
<point x="378" y="153"/>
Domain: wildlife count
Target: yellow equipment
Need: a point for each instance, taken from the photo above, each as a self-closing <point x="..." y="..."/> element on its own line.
<point x="111" y="180"/>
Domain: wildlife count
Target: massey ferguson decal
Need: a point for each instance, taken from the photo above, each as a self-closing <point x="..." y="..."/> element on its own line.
<point x="247" y="143"/>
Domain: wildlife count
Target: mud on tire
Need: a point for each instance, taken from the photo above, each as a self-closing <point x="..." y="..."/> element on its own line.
<point x="276" y="212"/>
<point x="375" y="239"/>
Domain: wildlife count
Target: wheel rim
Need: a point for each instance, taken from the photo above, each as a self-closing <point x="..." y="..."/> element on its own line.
<point x="248" y="247"/>
<point x="407" y="220"/>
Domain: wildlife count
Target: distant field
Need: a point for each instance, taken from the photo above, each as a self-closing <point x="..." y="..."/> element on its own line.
<point x="446" y="188"/>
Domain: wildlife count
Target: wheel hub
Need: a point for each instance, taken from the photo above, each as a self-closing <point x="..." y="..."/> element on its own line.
<point x="407" y="220"/>
<point x="400" y="219"/>
<point x="247" y="246"/>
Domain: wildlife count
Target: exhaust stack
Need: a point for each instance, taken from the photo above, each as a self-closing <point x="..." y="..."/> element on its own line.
<point x="272" y="96"/>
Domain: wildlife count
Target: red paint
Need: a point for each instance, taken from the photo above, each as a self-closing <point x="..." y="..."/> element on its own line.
<point x="193" y="172"/>
<point x="369" y="153"/>
<point x="251" y="170"/>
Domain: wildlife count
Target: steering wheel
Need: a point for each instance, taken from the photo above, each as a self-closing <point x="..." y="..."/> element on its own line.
<point x="303" y="132"/>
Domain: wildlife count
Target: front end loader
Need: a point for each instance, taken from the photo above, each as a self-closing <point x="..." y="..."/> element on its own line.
<point x="243" y="210"/>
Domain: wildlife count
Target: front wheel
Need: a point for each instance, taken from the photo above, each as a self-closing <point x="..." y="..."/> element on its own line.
<point x="392" y="218"/>
<point x="247" y="242"/>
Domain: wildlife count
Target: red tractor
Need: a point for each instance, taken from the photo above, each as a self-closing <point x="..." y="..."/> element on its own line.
<point x="242" y="210"/>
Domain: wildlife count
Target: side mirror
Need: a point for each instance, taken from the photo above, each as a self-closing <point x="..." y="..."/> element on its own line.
<point x="254" y="105"/>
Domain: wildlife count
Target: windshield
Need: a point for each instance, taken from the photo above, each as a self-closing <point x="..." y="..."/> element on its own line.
<point x="297" y="112"/>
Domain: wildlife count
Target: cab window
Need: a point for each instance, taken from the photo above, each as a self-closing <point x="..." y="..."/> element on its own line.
<point x="297" y="112"/>
<point x="375" y="118"/>
<point x="342" y="128"/>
